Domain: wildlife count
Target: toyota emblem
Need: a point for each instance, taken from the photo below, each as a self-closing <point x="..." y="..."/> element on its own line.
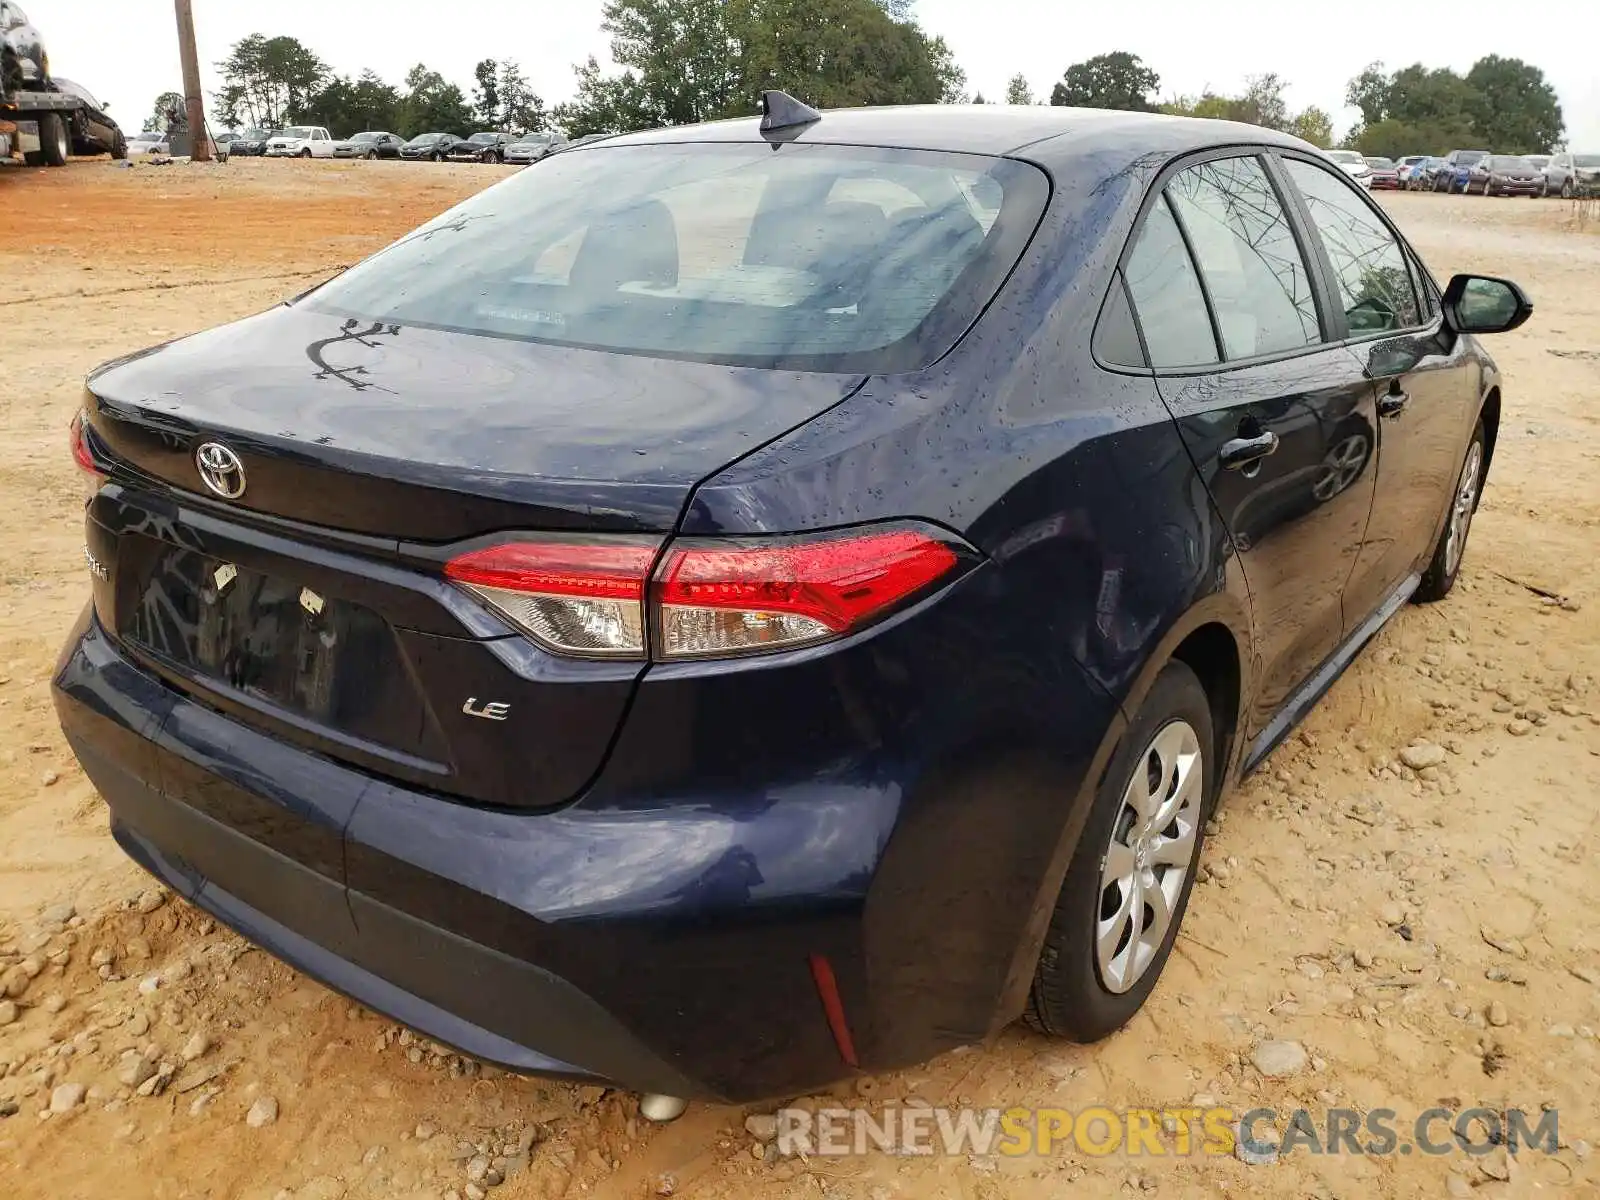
<point x="220" y="470"/>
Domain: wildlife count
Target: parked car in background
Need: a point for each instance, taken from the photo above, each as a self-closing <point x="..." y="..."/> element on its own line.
<point x="1353" y="165"/>
<point x="373" y="144"/>
<point x="1568" y="175"/>
<point x="252" y="142"/>
<point x="1408" y="166"/>
<point x="430" y="146"/>
<point x="1385" y="172"/>
<point x="301" y="141"/>
<point x="487" y="146"/>
<point x="599" y="704"/>
<point x="149" y="143"/>
<point x="24" y="64"/>
<point x="91" y="127"/>
<point x="531" y="147"/>
<point x="1424" y="173"/>
<point x="1456" y="169"/>
<point x="1505" y="175"/>
<point x="587" y="139"/>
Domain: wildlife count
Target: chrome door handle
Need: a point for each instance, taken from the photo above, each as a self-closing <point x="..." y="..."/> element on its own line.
<point x="1238" y="453"/>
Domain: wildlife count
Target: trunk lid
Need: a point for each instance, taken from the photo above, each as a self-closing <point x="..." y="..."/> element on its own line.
<point x="313" y="606"/>
<point x="429" y="436"/>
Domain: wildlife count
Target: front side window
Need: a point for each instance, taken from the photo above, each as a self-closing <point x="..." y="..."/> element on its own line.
<point x="1369" y="267"/>
<point x="1247" y="255"/>
<point x="812" y="256"/>
<point x="1166" y="294"/>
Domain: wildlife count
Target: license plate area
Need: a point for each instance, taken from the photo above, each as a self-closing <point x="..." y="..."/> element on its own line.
<point x="275" y="642"/>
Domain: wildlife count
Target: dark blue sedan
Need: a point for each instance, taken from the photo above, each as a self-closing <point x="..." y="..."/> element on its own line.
<point x="749" y="604"/>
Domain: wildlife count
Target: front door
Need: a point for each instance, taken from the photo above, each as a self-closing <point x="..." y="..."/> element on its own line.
<point x="1424" y="383"/>
<point x="1278" y="422"/>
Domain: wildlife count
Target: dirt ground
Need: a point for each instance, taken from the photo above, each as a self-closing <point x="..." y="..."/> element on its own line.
<point x="1425" y="936"/>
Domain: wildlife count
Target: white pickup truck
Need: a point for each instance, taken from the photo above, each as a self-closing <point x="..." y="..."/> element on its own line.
<point x="301" y="141"/>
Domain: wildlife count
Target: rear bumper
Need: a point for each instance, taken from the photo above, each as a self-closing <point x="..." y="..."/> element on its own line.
<point x="654" y="936"/>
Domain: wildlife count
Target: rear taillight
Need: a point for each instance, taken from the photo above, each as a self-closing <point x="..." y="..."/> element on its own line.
<point x="580" y="598"/>
<point x="716" y="598"/>
<point x="78" y="436"/>
<point x="709" y="598"/>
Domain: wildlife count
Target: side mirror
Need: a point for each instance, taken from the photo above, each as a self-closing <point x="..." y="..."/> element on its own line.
<point x="1482" y="304"/>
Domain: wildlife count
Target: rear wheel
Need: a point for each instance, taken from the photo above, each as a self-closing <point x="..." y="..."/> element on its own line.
<point x="1566" y="189"/>
<point x="306" y="153"/>
<point x="1441" y="574"/>
<point x="119" y="146"/>
<point x="1129" y="881"/>
<point x="54" y="141"/>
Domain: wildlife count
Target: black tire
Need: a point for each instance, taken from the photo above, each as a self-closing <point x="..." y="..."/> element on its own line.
<point x="1069" y="997"/>
<point x="1566" y="189"/>
<point x="436" y="157"/>
<point x="55" y="142"/>
<point x="1445" y="565"/>
<point x="306" y="153"/>
<point x="119" y="147"/>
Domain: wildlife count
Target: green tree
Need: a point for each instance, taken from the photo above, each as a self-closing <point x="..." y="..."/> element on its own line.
<point x="1314" y="125"/>
<point x="349" y="106"/>
<point x="1369" y="91"/>
<point x="1115" y="80"/>
<point x="486" y="95"/>
<point x="521" y="109"/>
<point x="265" y="81"/>
<point x="1018" y="90"/>
<point x="431" y="105"/>
<point x="1515" y="109"/>
<point x="977" y="98"/>
<point x="683" y="61"/>
<point x="166" y="102"/>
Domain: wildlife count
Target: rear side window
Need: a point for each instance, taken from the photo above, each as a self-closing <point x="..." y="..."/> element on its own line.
<point x="805" y="256"/>
<point x="1369" y="267"/>
<point x="1248" y="257"/>
<point x="1166" y="294"/>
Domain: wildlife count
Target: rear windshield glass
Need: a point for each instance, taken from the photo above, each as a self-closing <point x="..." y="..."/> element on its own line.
<point x="1586" y="161"/>
<point x="807" y="257"/>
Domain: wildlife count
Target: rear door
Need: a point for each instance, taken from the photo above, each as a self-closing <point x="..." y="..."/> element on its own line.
<point x="1425" y="385"/>
<point x="1278" y="421"/>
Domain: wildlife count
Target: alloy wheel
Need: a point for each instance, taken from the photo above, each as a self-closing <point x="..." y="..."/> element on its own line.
<point x="1151" y="853"/>
<point x="1461" y="508"/>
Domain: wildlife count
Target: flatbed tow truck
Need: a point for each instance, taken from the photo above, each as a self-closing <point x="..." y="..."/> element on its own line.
<point x="35" y="127"/>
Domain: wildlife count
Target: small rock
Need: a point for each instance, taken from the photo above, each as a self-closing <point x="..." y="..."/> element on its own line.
<point x="1518" y="727"/>
<point x="424" y="1131"/>
<point x="1278" y="1060"/>
<point x="58" y="914"/>
<point x="666" y="1185"/>
<point x="1496" y="1014"/>
<point x="1422" y="754"/>
<point x="1363" y="959"/>
<point x="135" y="1071"/>
<point x="476" y="1191"/>
<point x="150" y="900"/>
<point x="1562" y="1031"/>
<point x="761" y="1126"/>
<point x="149" y="985"/>
<point x="477" y="1168"/>
<point x="54" y="1003"/>
<point x="8" y="1012"/>
<point x="1457" y="1186"/>
<point x="50" y="778"/>
<point x="67" y="1097"/>
<point x="195" y="1047"/>
<point x="263" y="1112"/>
<point x="138" y="1024"/>
<point x="202" y="1102"/>
<point x="1392" y="913"/>
<point x="9" y="1108"/>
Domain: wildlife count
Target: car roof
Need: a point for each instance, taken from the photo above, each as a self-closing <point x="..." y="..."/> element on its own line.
<point x="1045" y="131"/>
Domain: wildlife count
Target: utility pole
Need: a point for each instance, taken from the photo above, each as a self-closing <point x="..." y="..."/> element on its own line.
<point x="199" y="139"/>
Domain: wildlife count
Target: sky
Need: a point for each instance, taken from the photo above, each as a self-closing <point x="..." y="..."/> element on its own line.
<point x="126" y="50"/>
